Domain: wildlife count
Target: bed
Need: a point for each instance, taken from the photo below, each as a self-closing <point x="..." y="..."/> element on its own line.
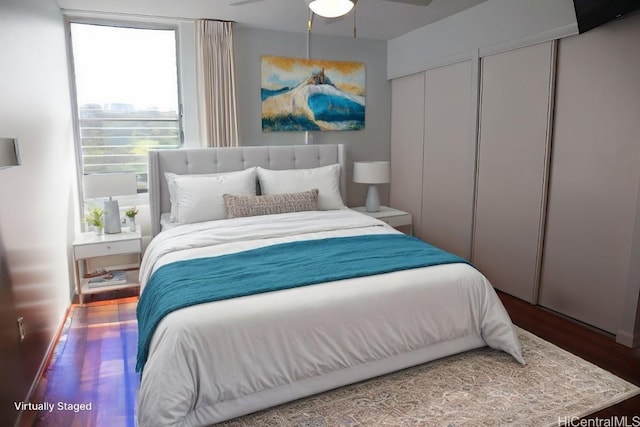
<point x="306" y="299"/>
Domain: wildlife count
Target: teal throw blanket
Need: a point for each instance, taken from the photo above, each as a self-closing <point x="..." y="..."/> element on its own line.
<point x="272" y="268"/>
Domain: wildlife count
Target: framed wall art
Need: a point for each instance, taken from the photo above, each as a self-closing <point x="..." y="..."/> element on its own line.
<point x="311" y="94"/>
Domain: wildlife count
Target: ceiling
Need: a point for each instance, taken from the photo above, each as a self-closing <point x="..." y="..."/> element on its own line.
<point x="375" y="19"/>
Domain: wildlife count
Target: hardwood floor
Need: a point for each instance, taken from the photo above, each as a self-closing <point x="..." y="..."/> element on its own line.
<point x="93" y="381"/>
<point x="595" y="346"/>
<point x="592" y="345"/>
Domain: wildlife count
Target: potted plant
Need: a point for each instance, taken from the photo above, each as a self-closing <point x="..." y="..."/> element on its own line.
<point x="95" y="218"/>
<point x="131" y="214"/>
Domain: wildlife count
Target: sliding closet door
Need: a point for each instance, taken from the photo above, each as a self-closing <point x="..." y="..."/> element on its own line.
<point x="589" y="262"/>
<point x="513" y="152"/>
<point x="449" y="157"/>
<point x="407" y="130"/>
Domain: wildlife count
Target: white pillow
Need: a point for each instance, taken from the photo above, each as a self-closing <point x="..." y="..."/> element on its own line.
<point x="171" y="185"/>
<point x="198" y="198"/>
<point x="325" y="178"/>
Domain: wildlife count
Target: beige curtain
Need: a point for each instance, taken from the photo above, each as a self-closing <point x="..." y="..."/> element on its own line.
<point x="217" y="105"/>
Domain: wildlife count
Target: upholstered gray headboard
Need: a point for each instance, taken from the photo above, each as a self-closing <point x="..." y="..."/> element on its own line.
<point x="229" y="159"/>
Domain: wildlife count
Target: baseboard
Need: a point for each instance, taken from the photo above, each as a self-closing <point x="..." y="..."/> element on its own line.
<point x="628" y="339"/>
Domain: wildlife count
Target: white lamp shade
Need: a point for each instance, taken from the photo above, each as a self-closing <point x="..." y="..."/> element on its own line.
<point x="371" y="172"/>
<point x="109" y="184"/>
<point x="331" y="8"/>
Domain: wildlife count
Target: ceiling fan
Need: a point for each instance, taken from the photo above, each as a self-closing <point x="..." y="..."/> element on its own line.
<point x="335" y="8"/>
<point x="332" y="9"/>
<point x="338" y="8"/>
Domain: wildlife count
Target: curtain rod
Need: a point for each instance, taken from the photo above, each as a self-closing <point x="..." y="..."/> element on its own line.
<point x="216" y="20"/>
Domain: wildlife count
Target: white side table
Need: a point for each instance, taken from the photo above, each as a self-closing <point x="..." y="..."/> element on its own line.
<point x="394" y="217"/>
<point x="92" y="245"/>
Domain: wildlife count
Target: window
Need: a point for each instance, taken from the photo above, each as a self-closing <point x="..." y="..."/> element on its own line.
<point x="126" y="83"/>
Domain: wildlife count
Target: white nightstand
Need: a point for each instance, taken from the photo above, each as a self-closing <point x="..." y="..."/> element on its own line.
<point x="394" y="217"/>
<point x="91" y="245"/>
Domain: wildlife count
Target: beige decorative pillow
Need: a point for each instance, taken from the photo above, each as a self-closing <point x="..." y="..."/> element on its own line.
<point x="241" y="206"/>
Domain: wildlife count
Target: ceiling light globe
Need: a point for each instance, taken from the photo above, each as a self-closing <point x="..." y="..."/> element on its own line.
<point x="331" y="8"/>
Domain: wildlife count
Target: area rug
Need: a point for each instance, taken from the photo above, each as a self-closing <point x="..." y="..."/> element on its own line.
<point x="482" y="387"/>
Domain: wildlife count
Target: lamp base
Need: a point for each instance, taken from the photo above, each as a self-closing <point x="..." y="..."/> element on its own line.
<point x="111" y="217"/>
<point x="373" y="200"/>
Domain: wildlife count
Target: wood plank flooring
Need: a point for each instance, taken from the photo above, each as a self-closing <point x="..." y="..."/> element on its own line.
<point x="592" y="345"/>
<point x="96" y="368"/>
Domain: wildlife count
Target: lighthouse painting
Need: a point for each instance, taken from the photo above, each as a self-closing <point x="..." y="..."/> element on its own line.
<point x="312" y="95"/>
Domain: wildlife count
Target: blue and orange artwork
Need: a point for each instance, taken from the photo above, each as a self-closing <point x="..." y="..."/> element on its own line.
<point x="312" y="95"/>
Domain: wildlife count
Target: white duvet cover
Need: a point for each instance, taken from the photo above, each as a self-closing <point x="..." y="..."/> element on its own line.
<point x="219" y="360"/>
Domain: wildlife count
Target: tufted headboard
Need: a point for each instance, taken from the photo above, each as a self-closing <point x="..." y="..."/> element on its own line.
<point x="229" y="159"/>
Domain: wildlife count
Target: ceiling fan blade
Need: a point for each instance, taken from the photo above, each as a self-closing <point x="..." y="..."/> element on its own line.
<point x="243" y="2"/>
<point x="413" y="2"/>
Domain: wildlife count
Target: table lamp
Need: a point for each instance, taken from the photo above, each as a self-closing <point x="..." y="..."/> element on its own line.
<point x="101" y="185"/>
<point x="376" y="172"/>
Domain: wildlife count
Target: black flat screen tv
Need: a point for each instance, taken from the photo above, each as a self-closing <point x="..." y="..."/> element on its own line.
<point x="592" y="13"/>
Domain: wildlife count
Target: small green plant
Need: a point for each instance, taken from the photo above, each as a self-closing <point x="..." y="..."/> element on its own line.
<point x="95" y="217"/>
<point x="131" y="213"/>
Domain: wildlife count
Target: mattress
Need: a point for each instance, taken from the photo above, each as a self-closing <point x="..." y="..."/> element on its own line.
<point x="219" y="360"/>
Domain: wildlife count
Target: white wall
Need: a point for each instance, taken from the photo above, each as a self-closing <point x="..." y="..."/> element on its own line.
<point x="37" y="213"/>
<point x="371" y="143"/>
<point x="490" y="26"/>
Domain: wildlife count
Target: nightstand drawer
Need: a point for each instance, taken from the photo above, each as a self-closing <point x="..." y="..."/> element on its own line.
<point x="107" y="248"/>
